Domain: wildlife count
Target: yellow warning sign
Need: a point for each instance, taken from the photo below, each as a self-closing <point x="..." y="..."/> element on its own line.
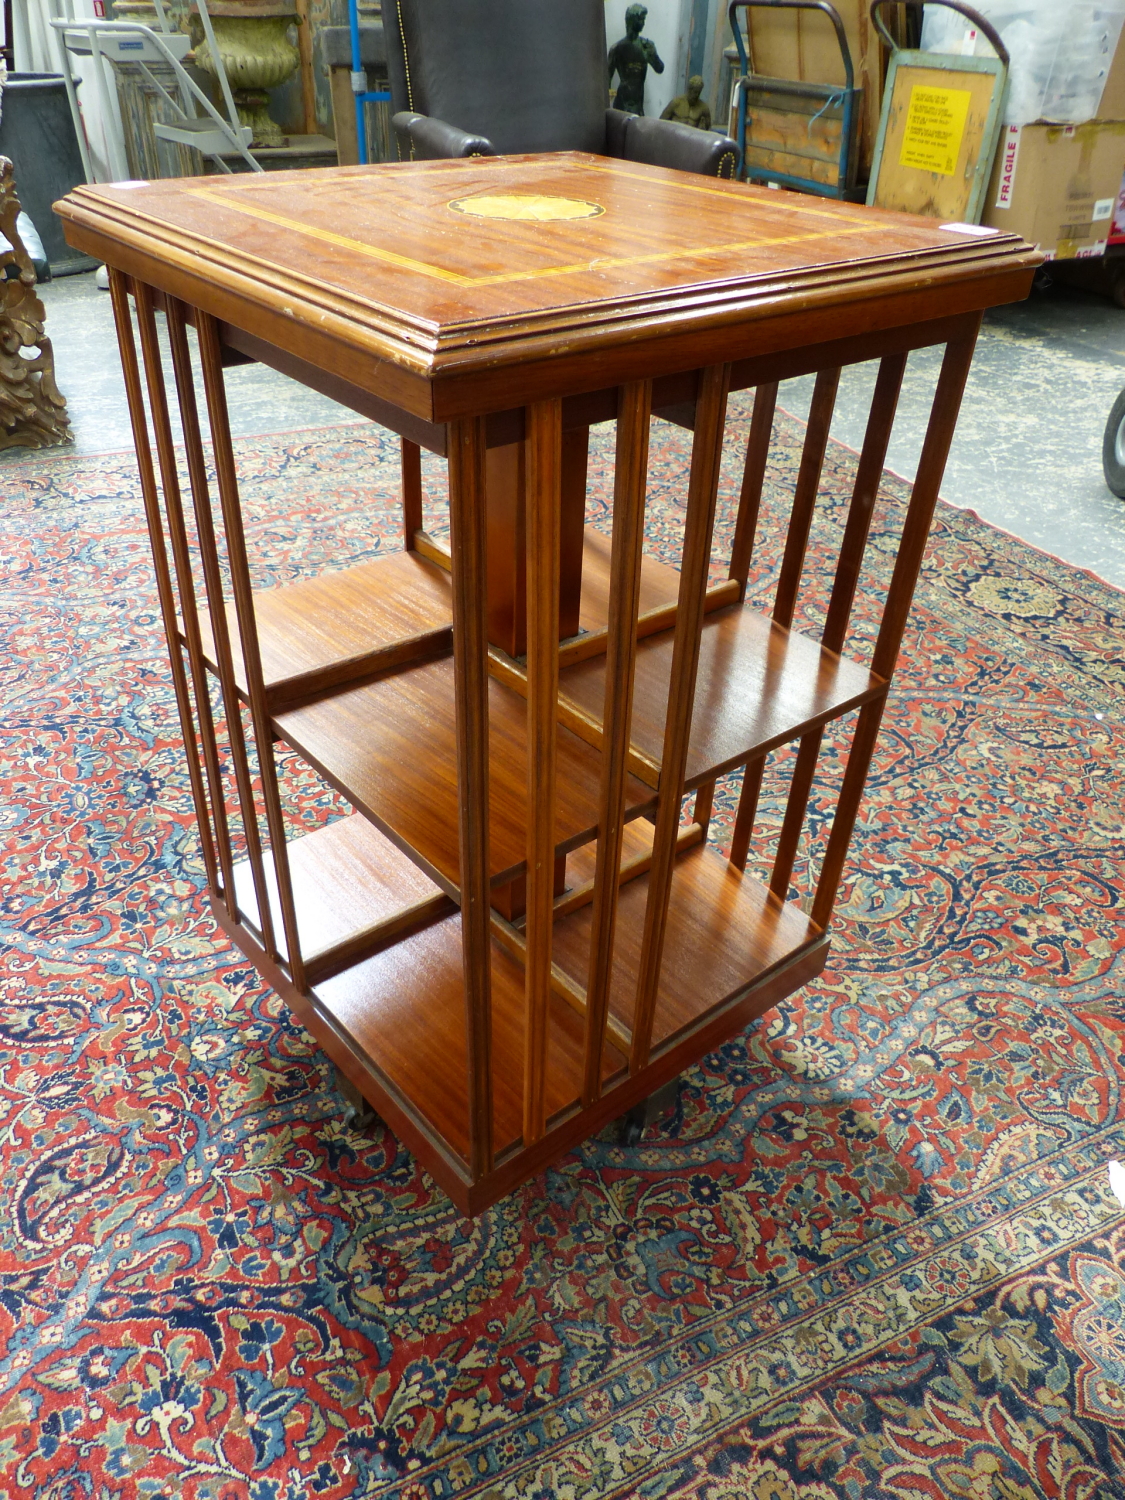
<point x="935" y="126"/>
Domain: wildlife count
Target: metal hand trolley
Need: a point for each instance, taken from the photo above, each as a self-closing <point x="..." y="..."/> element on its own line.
<point x="797" y="135"/>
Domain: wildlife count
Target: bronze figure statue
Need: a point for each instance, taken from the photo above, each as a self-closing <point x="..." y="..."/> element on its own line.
<point x="630" y="59"/>
<point x="690" y="108"/>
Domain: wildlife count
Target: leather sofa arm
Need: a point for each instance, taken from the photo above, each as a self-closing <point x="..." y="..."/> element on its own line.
<point x="616" y="127"/>
<point x="664" y="143"/>
<point x="433" y="140"/>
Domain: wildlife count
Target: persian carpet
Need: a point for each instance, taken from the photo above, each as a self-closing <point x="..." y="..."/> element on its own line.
<point x="873" y="1252"/>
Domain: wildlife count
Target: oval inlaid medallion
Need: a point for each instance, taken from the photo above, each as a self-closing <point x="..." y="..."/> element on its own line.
<point x="531" y="207"/>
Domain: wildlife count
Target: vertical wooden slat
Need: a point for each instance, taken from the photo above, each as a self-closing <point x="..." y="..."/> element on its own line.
<point x="884" y="403"/>
<point x="572" y="528"/>
<point x="916" y="530"/>
<point x="847" y="809"/>
<point x="804" y="498"/>
<point x="795" y="807"/>
<point x="634" y="410"/>
<point x="706" y="453"/>
<point x="411" y="492"/>
<point x="170" y="483"/>
<point x="747" y="811"/>
<point x="216" y="607"/>
<point x="468" y="573"/>
<point x="753" y="477"/>
<point x="544" y="509"/>
<point x="120" y="298"/>
<point x="923" y="498"/>
<point x="227" y="479"/>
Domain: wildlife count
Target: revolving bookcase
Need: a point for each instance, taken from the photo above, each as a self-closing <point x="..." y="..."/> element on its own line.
<point x="514" y="937"/>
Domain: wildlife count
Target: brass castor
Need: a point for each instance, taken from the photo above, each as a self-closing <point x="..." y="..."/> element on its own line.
<point x="631" y="1126"/>
<point x="358" y="1114"/>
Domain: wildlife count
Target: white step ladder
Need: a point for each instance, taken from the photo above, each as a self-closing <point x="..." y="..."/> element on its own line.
<point x="210" y="133"/>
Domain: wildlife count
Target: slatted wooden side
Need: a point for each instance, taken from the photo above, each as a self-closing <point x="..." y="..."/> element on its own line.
<point x="120" y="287"/>
<point x="227" y="483"/>
<point x="703" y="484"/>
<point x="908" y="563"/>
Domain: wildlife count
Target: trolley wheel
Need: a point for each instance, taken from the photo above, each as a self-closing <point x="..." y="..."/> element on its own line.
<point x="1113" y="448"/>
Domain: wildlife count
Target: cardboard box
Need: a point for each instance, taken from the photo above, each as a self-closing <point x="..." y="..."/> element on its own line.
<point x="1057" y="185"/>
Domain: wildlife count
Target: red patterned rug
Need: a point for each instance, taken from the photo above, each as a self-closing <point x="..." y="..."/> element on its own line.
<point x="873" y="1253"/>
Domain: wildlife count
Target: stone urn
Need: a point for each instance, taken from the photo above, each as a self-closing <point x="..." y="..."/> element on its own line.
<point x="145" y="12"/>
<point x="253" y="37"/>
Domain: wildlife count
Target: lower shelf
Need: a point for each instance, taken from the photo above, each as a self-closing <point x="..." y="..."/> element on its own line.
<point x="725" y="932"/>
<point x="404" y="1010"/>
<point x="400" y="1014"/>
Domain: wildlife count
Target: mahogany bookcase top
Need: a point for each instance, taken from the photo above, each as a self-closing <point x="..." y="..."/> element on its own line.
<point x="437" y="284"/>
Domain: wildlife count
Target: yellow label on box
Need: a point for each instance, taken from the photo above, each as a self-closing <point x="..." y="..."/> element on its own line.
<point x="935" y="127"/>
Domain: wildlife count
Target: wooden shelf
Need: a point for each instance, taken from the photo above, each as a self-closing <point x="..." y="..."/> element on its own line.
<point x="389" y="747"/>
<point x="725" y="933"/>
<point x="347" y="879"/>
<point x="659" y="583"/>
<point x="759" y="685"/>
<point x="405" y="1010"/>
<point x="313" y="625"/>
<point x="404" y="1007"/>
<point x="307" y="630"/>
<point x="349" y="626"/>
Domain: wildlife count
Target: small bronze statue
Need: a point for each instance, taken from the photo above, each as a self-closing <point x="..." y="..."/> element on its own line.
<point x="689" y="108"/>
<point x="630" y="59"/>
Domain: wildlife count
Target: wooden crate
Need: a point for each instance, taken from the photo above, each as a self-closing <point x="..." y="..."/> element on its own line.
<point x="938" y="136"/>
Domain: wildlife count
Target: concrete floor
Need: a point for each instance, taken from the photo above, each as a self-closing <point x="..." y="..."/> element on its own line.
<point x="1027" y="456"/>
